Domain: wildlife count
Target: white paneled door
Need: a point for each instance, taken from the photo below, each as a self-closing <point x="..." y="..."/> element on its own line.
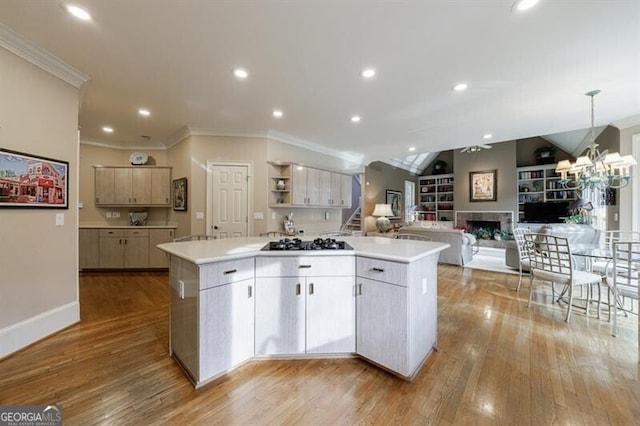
<point x="229" y="197"/>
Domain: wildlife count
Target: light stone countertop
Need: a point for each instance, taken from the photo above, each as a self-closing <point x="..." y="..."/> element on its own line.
<point x="208" y="251"/>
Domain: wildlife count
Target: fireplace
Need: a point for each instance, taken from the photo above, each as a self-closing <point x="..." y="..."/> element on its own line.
<point x="489" y="221"/>
<point x="491" y="225"/>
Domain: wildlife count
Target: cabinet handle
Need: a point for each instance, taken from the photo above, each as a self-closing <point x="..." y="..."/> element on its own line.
<point x="360" y="289"/>
<point x="249" y="291"/>
<point x="377" y="269"/>
<point x="230" y="271"/>
<point x="298" y="289"/>
<point x="310" y="288"/>
<point x="125" y="241"/>
<point x="120" y="241"/>
<point x="97" y="200"/>
<point x="304" y="266"/>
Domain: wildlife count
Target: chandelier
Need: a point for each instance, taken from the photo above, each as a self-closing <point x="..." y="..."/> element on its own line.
<point x="595" y="170"/>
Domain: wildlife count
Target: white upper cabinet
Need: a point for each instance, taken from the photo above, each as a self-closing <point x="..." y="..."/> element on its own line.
<point x="310" y="187"/>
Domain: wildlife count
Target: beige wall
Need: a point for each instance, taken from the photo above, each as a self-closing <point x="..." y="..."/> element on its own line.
<point x="39" y="260"/>
<point x="179" y="156"/>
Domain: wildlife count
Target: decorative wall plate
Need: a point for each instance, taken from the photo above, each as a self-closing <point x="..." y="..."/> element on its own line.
<point x="138" y="158"/>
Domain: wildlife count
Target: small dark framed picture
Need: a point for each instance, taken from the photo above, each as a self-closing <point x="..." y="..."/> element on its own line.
<point x="180" y="194"/>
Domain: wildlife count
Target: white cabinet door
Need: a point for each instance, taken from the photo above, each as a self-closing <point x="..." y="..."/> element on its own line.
<point x="280" y="316"/>
<point x="335" y="190"/>
<point x="331" y="315"/>
<point x="226" y="327"/>
<point x="183" y="317"/>
<point x="314" y="190"/>
<point x="382" y="323"/>
<point x="299" y="185"/>
<point x="324" y="188"/>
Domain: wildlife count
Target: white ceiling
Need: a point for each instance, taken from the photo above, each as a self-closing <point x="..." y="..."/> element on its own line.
<point x="527" y="72"/>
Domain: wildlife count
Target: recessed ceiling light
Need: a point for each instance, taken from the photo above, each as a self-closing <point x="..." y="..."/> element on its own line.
<point x="107" y="129"/>
<point x="240" y="73"/>
<point x="412" y="148"/>
<point x="522" y="5"/>
<point x="78" y="12"/>
<point x="144" y="112"/>
<point x="368" y="73"/>
<point x="487" y="136"/>
<point x="277" y="113"/>
<point x="460" y="87"/>
<point x="355" y="119"/>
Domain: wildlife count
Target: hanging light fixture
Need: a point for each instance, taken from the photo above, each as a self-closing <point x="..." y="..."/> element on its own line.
<point x="596" y="170"/>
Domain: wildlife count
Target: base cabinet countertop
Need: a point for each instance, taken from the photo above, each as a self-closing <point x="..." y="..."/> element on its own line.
<point x="230" y="302"/>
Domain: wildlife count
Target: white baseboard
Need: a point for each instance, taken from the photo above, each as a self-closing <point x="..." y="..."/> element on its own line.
<point x="23" y="333"/>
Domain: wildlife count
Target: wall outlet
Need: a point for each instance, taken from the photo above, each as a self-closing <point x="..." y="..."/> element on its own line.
<point x="115" y="215"/>
<point x="273" y="215"/>
<point x="80" y="205"/>
<point x="326" y="215"/>
<point x="258" y="216"/>
<point x="108" y="215"/>
<point x="59" y="219"/>
<point x="199" y="215"/>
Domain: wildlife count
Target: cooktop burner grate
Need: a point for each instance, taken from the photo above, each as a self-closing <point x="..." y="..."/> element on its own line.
<point x="298" y="244"/>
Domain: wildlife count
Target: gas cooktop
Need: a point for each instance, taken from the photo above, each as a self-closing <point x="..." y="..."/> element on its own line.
<point x="298" y="244"/>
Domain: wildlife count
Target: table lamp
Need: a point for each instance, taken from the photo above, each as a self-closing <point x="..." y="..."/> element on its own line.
<point x="383" y="211"/>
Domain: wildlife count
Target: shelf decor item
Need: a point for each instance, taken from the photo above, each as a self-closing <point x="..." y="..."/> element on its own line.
<point x="180" y="194"/>
<point x="483" y="185"/>
<point x="28" y="180"/>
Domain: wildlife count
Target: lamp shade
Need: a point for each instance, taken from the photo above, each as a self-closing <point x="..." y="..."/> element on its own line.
<point x="382" y="210"/>
<point x="563" y="166"/>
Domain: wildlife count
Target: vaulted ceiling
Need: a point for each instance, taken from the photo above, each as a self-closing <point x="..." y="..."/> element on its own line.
<point x="527" y="73"/>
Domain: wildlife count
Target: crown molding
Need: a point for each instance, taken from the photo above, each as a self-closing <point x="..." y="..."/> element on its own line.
<point x="311" y="146"/>
<point x="30" y="52"/>
<point x="120" y="147"/>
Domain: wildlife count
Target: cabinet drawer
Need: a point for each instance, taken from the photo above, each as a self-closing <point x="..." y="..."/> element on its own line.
<point x="111" y="232"/>
<point x="306" y="266"/>
<point x="136" y="233"/>
<point x="219" y="273"/>
<point x="382" y="270"/>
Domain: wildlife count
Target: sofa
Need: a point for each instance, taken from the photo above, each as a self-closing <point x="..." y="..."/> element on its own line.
<point x="576" y="234"/>
<point x="461" y="243"/>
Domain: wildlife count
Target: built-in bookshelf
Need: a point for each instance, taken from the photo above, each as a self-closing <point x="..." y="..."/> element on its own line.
<point x="436" y="197"/>
<point x="540" y="184"/>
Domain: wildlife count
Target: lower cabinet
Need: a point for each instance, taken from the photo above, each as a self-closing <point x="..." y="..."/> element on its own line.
<point x="305" y="304"/>
<point x="226" y="318"/>
<point x="382" y="323"/>
<point x="211" y="316"/>
<point x="397" y="312"/>
<point x="122" y="248"/>
<point x="297" y="315"/>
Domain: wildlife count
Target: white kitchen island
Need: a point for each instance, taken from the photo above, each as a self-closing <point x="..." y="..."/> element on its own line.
<point x="231" y="302"/>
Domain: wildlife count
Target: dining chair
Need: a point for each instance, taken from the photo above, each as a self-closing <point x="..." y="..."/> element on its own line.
<point x="194" y="238"/>
<point x="336" y="234"/>
<point x="275" y="234"/>
<point x="551" y="261"/>
<point x="415" y="237"/>
<point x="622" y="275"/>
<point x="611" y="237"/>
<point x="523" y="254"/>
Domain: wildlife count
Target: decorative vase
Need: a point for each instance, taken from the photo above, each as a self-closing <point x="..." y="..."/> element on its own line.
<point x="280" y="185"/>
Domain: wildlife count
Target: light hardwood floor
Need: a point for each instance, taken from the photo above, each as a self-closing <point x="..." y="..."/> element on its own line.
<point x="499" y="363"/>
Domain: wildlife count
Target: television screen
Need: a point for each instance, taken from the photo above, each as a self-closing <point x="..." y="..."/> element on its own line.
<point x="553" y="212"/>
